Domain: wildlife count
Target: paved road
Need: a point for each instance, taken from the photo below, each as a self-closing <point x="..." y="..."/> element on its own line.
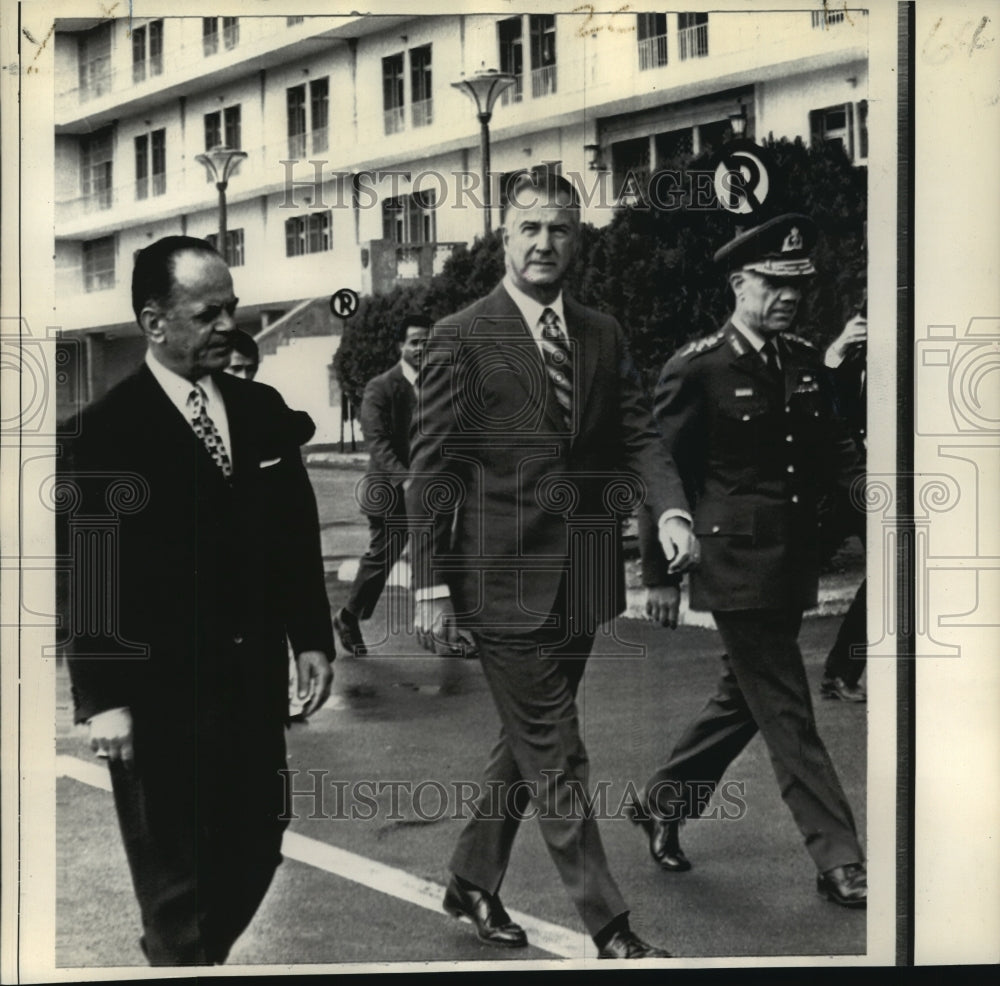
<point x="400" y="716"/>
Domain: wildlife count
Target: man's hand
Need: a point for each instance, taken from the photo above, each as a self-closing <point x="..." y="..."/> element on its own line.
<point x="315" y="674"/>
<point x="680" y="546"/>
<point x="111" y="735"/>
<point x="855" y="334"/>
<point x="434" y="624"/>
<point x="662" y="605"/>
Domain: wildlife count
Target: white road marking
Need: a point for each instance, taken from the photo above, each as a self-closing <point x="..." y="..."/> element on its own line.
<point x="552" y="938"/>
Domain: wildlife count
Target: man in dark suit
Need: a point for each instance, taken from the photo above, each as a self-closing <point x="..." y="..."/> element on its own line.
<point x="192" y="721"/>
<point x="386" y="415"/>
<point x="532" y="436"/>
<point x="749" y="421"/>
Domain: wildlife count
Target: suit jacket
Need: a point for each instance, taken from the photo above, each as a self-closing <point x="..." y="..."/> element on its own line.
<point x="386" y="416"/>
<point x="209" y="575"/>
<point x="755" y="455"/>
<point x="507" y="505"/>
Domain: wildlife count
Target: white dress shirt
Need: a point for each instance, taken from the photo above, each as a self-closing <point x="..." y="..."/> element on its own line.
<point x="178" y="389"/>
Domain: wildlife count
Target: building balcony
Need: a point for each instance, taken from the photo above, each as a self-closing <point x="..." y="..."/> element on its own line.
<point x="652" y="52"/>
<point x="394" y="120"/>
<point x="387" y="265"/>
<point x="514" y="93"/>
<point x="692" y="42"/>
<point x="423" y="113"/>
<point x="543" y="81"/>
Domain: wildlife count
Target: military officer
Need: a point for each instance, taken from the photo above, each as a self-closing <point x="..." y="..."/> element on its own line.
<point x="747" y="415"/>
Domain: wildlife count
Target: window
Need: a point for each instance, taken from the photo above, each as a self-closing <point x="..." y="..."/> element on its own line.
<point x="234" y="246"/>
<point x="319" y="110"/>
<point x="299" y="133"/>
<point x="511" y="57"/>
<point x="410" y="218"/>
<point x="543" y="54"/>
<point x="96" y="170"/>
<point x="842" y="125"/>
<point x="392" y="93"/>
<point x="292" y="21"/>
<point x="99" y="264"/>
<point x="153" y="31"/>
<point x="420" y="86"/>
<point x="230" y="31"/>
<point x="309" y="234"/>
<point x="630" y="170"/>
<point x="151" y="161"/>
<point x="210" y="35"/>
<point x="223" y="128"/>
<point x="692" y="35"/>
<point x="295" y="98"/>
<point x="651" y="31"/>
<point x="95" y="62"/>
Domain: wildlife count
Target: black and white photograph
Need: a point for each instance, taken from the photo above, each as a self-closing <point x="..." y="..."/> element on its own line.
<point x="498" y="487"/>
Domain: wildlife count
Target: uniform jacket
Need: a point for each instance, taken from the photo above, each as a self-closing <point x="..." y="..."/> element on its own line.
<point x="504" y="499"/>
<point x="211" y="575"/>
<point x="386" y="416"/>
<point x="755" y="457"/>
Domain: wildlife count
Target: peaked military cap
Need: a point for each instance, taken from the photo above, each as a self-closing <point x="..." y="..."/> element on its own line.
<point x="780" y="247"/>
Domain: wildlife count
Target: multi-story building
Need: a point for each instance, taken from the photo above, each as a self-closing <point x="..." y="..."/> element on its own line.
<point x="362" y="163"/>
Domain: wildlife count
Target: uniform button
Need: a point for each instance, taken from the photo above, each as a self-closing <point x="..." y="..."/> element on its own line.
<point x="746" y="417"/>
<point x="791" y="469"/>
<point x="789" y="438"/>
<point x="795" y="498"/>
<point x="788" y="409"/>
<point x="237" y="638"/>
<point x="715" y="528"/>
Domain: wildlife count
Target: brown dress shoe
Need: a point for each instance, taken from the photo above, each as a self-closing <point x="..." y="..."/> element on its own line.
<point x="349" y="633"/>
<point x="627" y="945"/>
<point x="845" y="885"/>
<point x="839" y="689"/>
<point x="493" y="923"/>
<point x="664" y="839"/>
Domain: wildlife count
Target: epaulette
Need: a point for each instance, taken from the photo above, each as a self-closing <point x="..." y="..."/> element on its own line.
<point x="703" y="344"/>
<point x="793" y="338"/>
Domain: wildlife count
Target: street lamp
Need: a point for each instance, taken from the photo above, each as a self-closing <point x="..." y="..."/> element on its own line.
<point x="221" y="162"/>
<point x="483" y="89"/>
<point x="738" y="122"/>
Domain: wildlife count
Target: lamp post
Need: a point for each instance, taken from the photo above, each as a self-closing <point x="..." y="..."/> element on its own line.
<point x="221" y="162"/>
<point x="738" y="122"/>
<point x="483" y="88"/>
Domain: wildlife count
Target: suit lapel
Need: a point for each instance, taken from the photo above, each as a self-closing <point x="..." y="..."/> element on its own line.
<point x="746" y="359"/>
<point x="501" y="317"/>
<point x="242" y="438"/>
<point x="584" y="352"/>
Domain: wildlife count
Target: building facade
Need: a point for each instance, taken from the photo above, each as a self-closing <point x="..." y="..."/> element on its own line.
<point x="363" y="161"/>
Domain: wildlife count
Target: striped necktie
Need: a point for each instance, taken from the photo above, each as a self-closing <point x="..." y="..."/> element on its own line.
<point x="558" y="365"/>
<point x="204" y="428"/>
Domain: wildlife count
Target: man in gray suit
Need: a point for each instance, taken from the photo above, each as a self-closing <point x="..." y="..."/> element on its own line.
<point x="533" y="436"/>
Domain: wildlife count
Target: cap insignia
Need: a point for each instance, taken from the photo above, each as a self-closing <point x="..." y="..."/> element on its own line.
<point x="793" y="241"/>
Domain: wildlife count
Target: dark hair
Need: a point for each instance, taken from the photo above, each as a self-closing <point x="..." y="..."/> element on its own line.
<point x="412" y="320"/>
<point x="527" y="188"/>
<point x="245" y="344"/>
<point x="153" y="274"/>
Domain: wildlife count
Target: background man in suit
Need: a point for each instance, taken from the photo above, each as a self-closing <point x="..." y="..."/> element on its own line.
<point x="386" y="415"/>
<point x="846" y="360"/>
<point x="194" y="730"/>
<point x="751" y="426"/>
<point x="530" y="420"/>
<point x="244" y="360"/>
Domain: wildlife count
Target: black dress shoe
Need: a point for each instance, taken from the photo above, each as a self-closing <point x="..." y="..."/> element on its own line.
<point x="349" y="633"/>
<point x="664" y="840"/>
<point x="839" y="689"/>
<point x="845" y="885"/>
<point x="627" y="945"/>
<point x="493" y="923"/>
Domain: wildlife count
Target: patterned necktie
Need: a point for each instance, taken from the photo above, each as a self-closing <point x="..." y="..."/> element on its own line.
<point x="204" y="428"/>
<point x="555" y="352"/>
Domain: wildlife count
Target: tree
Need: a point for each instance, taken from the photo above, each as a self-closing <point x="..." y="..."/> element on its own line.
<point x="651" y="266"/>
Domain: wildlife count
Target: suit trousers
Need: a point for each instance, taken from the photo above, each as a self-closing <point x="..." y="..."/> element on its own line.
<point x="763" y="688"/>
<point x="387" y="536"/>
<point x="539" y="762"/>
<point x="849" y="653"/>
<point x="202" y="834"/>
